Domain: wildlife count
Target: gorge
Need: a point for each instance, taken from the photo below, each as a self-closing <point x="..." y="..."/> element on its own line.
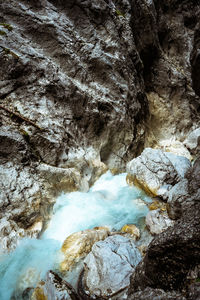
<point x="89" y="87"/>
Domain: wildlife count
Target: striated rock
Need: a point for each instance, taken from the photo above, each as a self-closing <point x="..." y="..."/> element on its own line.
<point x="108" y="267"/>
<point x="157" y="221"/>
<point x="132" y="230"/>
<point x="156" y="171"/>
<point x="53" y="287"/>
<point x="79" y="244"/>
<point x="156" y="294"/>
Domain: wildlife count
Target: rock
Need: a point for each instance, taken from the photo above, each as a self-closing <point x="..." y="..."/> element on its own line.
<point x="194" y="291"/>
<point x="156" y="204"/>
<point x="171" y="255"/>
<point x="192" y="142"/>
<point x="175" y="147"/>
<point x="79" y="244"/>
<point x="54" y="288"/>
<point x="157" y="221"/>
<point x="132" y="230"/>
<point x="108" y="267"/>
<point x="156" y="171"/>
<point x="156" y="294"/>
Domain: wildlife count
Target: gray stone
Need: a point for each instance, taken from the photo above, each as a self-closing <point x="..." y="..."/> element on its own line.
<point x="157" y="221"/>
<point x="156" y="294"/>
<point x="157" y="171"/>
<point x="192" y="141"/>
<point x="108" y="267"/>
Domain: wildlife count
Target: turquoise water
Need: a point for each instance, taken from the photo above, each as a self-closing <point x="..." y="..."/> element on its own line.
<point x="109" y="202"/>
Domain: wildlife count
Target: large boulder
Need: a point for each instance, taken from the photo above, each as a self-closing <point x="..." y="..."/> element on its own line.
<point x="156" y="171"/>
<point x="79" y="244"/>
<point x="108" y="267"/>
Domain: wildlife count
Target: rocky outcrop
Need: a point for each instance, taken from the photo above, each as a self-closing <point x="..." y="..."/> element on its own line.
<point x="173" y="254"/>
<point x="156" y="171"/>
<point x="79" y="244"/>
<point x="108" y="268"/>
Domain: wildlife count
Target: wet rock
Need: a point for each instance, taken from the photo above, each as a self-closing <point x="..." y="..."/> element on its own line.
<point x="53" y="287"/>
<point x="157" y="221"/>
<point x="132" y="230"/>
<point x="108" y="267"/>
<point x="79" y="244"/>
<point x="156" y="171"/>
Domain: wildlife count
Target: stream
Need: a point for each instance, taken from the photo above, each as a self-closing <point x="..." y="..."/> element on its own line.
<point x="109" y="202"/>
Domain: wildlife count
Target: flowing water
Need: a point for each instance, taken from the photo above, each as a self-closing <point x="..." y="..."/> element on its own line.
<point x="109" y="202"/>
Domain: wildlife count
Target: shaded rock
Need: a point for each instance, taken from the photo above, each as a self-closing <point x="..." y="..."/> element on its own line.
<point x="53" y="287"/>
<point x="156" y="294"/>
<point x="132" y="230"/>
<point x="194" y="291"/>
<point x="108" y="267"/>
<point x="79" y="244"/>
<point x="156" y="171"/>
<point x="171" y="254"/>
<point x="157" y="221"/>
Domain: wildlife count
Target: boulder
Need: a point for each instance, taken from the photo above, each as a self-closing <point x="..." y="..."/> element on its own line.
<point x="157" y="221"/>
<point x="192" y="142"/>
<point x="54" y="287"/>
<point x="132" y="230"/>
<point x="108" y="267"/>
<point x="79" y="244"/>
<point x="156" y="171"/>
<point x="156" y="294"/>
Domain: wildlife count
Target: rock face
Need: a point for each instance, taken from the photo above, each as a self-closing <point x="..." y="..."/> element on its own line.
<point x="69" y="71"/>
<point x="156" y="171"/>
<point x="79" y="244"/>
<point x="174" y="253"/>
<point x="108" y="267"/>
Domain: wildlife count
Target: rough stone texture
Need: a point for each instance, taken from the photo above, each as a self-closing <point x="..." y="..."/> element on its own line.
<point x="54" y="288"/>
<point x="156" y="171"/>
<point x="79" y="244"/>
<point x="70" y="67"/>
<point x="157" y="221"/>
<point x="156" y="294"/>
<point x="108" y="267"/>
<point x="132" y="230"/>
<point x="174" y="253"/>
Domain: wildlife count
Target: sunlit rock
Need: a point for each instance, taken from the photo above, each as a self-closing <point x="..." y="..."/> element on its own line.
<point x="175" y="147"/>
<point x="156" y="204"/>
<point x="156" y="171"/>
<point x="54" y="288"/>
<point x="132" y="230"/>
<point x="79" y="244"/>
<point x="108" y="267"/>
<point x="157" y="221"/>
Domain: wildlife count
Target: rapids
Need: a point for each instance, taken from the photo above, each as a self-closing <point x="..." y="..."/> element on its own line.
<point x="109" y="202"/>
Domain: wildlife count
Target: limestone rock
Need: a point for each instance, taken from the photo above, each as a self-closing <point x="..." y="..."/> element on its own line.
<point x="53" y="287"/>
<point x="157" y="221"/>
<point x="156" y="171"/>
<point x="132" y="230"/>
<point x="79" y="244"/>
<point x="108" y="267"/>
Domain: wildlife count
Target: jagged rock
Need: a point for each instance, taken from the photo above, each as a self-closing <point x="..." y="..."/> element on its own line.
<point x="132" y="230"/>
<point x="156" y="171"/>
<point x="54" y="288"/>
<point x="192" y="141"/>
<point x="156" y="294"/>
<point x="157" y="221"/>
<point x="108" y="267"/>
<point x="194" y="291"/>
<point x="79" y="244"/>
